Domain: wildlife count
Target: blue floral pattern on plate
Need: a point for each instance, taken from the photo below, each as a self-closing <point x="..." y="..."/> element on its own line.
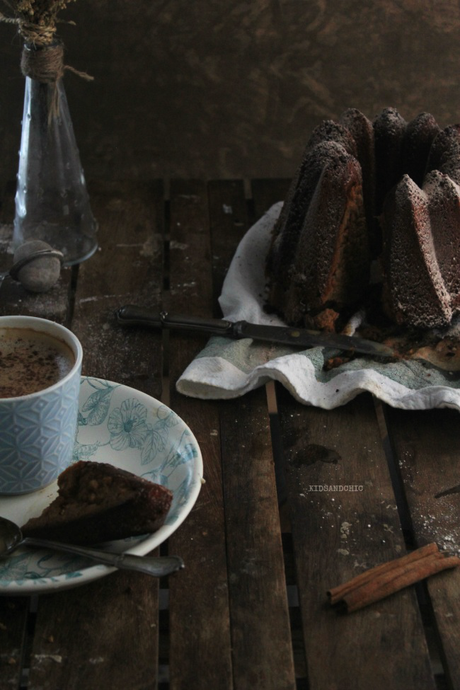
<point x="130" y="430"/>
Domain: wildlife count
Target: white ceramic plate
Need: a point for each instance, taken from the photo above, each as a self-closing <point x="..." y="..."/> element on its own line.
<point x="128" y="429"/>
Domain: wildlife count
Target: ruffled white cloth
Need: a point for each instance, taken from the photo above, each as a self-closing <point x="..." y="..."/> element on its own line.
<point x="228" y="369"/>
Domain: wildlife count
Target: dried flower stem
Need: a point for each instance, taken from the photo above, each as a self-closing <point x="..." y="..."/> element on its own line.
<point x="36" y="19"/>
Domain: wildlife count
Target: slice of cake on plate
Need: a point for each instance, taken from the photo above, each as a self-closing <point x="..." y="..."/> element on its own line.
<point x="97" y="502"/>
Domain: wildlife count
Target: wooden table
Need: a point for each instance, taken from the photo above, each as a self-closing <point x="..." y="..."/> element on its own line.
<point x="262" y="545"/>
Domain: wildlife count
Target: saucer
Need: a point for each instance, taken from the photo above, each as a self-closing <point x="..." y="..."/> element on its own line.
<point x="129" y="430"/>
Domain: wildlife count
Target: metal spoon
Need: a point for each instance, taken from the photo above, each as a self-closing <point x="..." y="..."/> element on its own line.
<point x="11" y="537"/>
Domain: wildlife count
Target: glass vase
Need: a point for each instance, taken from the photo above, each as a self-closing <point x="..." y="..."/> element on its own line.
<point x="52" y="202"/>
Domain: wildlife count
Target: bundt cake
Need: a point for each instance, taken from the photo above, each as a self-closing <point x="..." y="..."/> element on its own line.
<point x="371" y="199"/>
<point x="97" y="502"/>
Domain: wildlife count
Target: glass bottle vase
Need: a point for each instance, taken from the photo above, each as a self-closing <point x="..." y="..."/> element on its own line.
<point x="52" y="202"/>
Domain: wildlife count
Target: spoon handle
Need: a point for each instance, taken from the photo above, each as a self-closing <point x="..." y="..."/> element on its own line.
<point x="158" y="566"/>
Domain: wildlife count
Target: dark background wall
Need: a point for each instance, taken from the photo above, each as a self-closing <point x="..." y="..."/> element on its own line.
<point x="232" y="88"/>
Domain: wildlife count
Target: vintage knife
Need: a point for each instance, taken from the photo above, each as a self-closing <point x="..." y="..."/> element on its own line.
<point x="284" y="335"/>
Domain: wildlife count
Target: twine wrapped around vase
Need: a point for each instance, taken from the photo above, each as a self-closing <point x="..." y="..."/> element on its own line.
<point x="44" y="64"/>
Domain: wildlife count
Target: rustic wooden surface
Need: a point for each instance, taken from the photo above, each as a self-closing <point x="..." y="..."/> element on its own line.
<point x="263" y="543"/>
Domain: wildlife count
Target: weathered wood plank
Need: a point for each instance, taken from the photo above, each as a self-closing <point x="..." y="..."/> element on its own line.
<point x="344" y="520"/>
<point x="13" y="629"/>
<point x="127" y="268"/>
<point x="261" y="639"/>
<point x="106" y="634"/>
<point x="426" y="445"/>
<point x="200" y="646"/>
<point x="101" y="636"/>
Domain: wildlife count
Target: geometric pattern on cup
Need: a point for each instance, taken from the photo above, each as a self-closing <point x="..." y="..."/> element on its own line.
<point x="37" y="437"/>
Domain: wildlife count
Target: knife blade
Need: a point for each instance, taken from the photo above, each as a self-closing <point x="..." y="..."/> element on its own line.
<point x="130" y="315"/>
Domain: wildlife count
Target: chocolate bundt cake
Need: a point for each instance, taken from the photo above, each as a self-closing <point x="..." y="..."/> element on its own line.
<point x="97" y="502"/>
<point x="371" y="198"/>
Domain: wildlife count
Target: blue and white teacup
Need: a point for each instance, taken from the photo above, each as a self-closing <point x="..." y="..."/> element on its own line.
<point x="40" y="370"/>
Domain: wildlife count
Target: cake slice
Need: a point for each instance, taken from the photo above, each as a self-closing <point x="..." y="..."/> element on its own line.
<point x="288" y="230"/>
<point x="97" y="502"/>
<point x="331" y="266"/>
<point x="444" y="208"/>
<point x="414" y="292"/>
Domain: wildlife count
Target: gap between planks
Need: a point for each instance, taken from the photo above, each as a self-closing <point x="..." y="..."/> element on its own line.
<point x="423" y="599"/>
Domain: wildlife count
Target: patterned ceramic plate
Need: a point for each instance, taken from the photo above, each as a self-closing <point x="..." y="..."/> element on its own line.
<point x="127" y="429"/>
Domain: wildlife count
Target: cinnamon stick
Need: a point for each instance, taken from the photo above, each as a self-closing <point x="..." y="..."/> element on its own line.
<point x="337" y="593"/>
<point x="390" y="577"/>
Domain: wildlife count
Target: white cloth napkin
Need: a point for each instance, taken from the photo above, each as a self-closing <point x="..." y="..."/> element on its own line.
<point x="227" y="368"/>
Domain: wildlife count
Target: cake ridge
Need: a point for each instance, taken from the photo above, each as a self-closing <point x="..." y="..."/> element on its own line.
<point x="413" y="285"/>
<point x="444" y="209"/>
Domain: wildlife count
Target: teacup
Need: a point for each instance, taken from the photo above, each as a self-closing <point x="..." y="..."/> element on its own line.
<point x="40" y="369"/>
